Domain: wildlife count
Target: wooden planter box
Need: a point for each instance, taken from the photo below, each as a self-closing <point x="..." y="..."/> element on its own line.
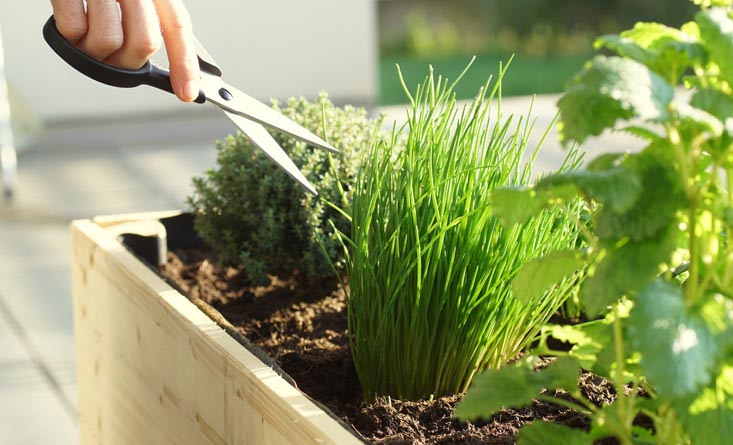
<point x="152" y="368"/>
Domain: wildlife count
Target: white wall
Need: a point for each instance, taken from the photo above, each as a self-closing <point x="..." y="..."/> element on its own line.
<point x="273" y="48"/>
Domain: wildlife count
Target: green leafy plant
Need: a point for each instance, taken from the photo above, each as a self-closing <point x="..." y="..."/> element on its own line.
<point x="660" y="264"/>
<point x="253" y="214"/>
<point x="429" y="266"/>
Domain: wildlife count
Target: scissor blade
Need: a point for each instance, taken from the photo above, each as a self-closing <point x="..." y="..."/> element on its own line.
<point x="265" y="142"/>
<point x="249" y="107"/>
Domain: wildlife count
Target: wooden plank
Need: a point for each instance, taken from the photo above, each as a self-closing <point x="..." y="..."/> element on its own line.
<point x="153" y="368"/>
<point x="112" y="220"/>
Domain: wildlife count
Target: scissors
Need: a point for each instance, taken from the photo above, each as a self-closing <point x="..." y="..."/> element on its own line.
<point x="247" y="113"/>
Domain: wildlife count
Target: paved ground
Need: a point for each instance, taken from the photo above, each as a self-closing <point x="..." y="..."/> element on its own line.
<point x="79" y="171"/>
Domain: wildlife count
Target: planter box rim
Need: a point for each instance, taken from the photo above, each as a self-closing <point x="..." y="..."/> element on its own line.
<point x="148" y="357"/>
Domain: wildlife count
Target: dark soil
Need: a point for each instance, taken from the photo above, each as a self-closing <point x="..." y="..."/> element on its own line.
<point x="303" y="327"/>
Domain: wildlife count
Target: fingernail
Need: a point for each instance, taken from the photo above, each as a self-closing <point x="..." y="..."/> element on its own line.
<point x="190" y="90"/>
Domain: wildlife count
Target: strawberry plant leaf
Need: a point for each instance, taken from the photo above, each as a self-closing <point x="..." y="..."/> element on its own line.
<point x="626" y="268"/>
<point x="712" y="3"/>
<point x="708" y="417"/>
<point x="678" y="351"/>
<point x="590" y="344"/>
<point x="698" y="120"/>
<point x="515" y="385"/>
<point x="517" y="205"/>
<point x="656" y="205"/>
<point x="716" y="29"/>
<point x="642" y="133"/>
<point x="714" y="102"/>
<point x="609" y="89"/>
<point x="667" y="51"/>
<point x="605" y="161"/>
<point x="547" y="433"/>
<point x="539" y="274"/>
<point x="616" y="187"/>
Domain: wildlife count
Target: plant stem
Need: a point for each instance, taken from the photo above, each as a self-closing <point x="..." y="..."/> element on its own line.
<point x="625" y="403"/>
<point x="585" y="408"/>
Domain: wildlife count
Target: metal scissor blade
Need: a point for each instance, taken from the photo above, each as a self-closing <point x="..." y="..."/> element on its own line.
<point x="249" y="107"/>
<point x="265" y="142"/>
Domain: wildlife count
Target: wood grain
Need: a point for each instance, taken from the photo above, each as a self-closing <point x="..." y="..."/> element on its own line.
<point x="153" y="369"/>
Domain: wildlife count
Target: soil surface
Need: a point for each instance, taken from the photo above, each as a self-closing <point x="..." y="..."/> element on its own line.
<point x="303" y="327"/>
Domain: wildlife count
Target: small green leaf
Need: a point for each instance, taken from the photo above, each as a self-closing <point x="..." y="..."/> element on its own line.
<point x="539" y="274"/>
<point x="515" y="385"/>
<point x="678" y="351"/>
<point x="589" y="341"/>
<point x="546" y="433"/>
<point x="716" y="30"/>
<point x="625" y="269"/>
<point x="609" y="89"/>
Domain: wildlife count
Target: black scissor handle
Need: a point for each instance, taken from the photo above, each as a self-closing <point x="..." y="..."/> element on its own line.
<point x="149" y="74"/>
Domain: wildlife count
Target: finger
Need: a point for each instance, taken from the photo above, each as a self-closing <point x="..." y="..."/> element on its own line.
<point x="179" y="44"/>
<point x="141" y="32"/>
<point x="104" y="36"/>
<point x="71" y="19"/>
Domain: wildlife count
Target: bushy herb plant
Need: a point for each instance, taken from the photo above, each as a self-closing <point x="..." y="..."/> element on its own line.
<point x="252" y="214"/>
<point x="660" y="260"/>
<point x="429" y="268"/>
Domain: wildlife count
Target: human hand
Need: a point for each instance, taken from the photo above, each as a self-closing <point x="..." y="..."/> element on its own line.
<point x="126" y="33"/>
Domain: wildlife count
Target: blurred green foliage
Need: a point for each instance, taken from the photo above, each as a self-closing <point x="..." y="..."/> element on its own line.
<point x="551" y="38"/>
<point x="531" y="27"/>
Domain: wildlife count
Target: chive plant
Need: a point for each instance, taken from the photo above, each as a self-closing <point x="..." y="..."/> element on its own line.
<point x="429" y="267"/>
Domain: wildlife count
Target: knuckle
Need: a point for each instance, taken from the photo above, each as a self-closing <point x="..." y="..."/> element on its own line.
<point x="72" y="30"/>
<point x="179" y="22"/>
<point x="146" y="46"/>
<point x="108" y="43"/>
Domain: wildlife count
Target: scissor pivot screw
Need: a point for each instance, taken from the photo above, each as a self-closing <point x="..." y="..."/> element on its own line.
<point x="225" y="94"/>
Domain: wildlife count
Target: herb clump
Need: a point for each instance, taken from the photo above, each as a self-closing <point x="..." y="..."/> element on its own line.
<point x="429" y="265"/>
<point x="252" y="214"/>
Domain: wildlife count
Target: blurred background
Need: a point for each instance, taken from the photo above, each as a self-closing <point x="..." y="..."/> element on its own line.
<point x="85" y="149"/>
<point x="550" y="39"/>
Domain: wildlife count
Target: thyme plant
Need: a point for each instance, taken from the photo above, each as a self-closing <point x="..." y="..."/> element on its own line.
<point x="660" y="261"/>
<point x="252" y="214"/>
<point x="429" y="267"/>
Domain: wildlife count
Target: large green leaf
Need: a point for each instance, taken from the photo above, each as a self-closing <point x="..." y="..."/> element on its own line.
<point x="515" y="385"/>
<point x="517" y="205"/>
<point x="626" y="268"/>
<point x="546" y="433"/>
<point x="714" y="102"/>
<point x="609" y="89"/>
<point x="716" y="29"/>
<point x="708" y="417"/>
<point x="678" y="352"/>
<point x="539" y="274"/>
<point x="668" y="51"/>
<point x="616" y="187"/>
<point x="661" y="196"/>
<point x="711" y="3"/>
<point x="697" y="120"/>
